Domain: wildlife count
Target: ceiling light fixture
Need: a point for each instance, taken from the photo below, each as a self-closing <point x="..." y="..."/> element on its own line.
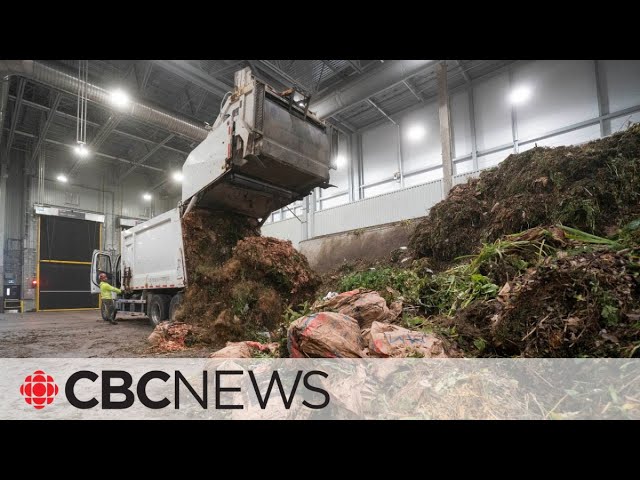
<point x="81" y="150"/>
<point x="119" y="98"/>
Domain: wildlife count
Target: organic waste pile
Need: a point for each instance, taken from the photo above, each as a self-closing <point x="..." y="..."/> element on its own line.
<point x="591" y="187"/>
<point x="539" y="257"/>
<point x="239" y="283"/>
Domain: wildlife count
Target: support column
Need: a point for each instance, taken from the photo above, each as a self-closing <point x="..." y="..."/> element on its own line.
<point x="350" y="161"/>
<point x="400" y="162"/>
<point x="445" y="128"/>
<point x="311" y="220"/>
<point x="306" y="215"/>
<point x="603" y="98"/>
<point x="356" y="167"/>
<point x="514" y="118"/>
<point x="4" y="173"/>
<point x="472" y="127"/>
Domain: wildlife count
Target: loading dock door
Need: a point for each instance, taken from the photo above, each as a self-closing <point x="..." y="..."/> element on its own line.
<point x="64" y="263"/>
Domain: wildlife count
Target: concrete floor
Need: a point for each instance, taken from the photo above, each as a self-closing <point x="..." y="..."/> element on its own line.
<point x="81" y="334"/>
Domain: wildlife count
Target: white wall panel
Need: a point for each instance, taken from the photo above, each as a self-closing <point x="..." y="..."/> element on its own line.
<point x="380" y="153"/>
<point x="563" y="92"/>
<point x="575" y="137"/>
<point x="621" y="83"/>
<point x="290" y="229"/>
<point x="382" y="188"/>
<point x="418" y="178"/>
<point x="425" y="152"/>
<point x="459" y="104"/>
<point x="334" y="202"/>
<point x="392" y="207"/>
<point x="493" y="159"/>
<point x="621" y="123"/>
<point x="340" y="176"/>
<point x="493" y="112"/>
<point x="463" y="167"/>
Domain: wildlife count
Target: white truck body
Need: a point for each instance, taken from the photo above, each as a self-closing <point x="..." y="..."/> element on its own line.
<point x="154" y="252"/>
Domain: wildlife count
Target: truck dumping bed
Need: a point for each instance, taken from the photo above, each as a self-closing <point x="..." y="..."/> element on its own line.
<point x="265" y="151"/>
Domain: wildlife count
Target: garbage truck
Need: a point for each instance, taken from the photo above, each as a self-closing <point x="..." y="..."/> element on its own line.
<point x="264" y="151"/>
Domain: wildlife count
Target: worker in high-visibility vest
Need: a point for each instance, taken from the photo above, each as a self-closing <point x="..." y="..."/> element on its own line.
<point x="108" y="305"/>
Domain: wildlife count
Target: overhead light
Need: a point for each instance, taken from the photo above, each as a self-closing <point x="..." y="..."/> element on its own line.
<point x="146" y="196"/>
<point x="415" y="133"/>
<point x="341" y="161"/>
<point x="177" y="176"/>
<point x="119" y="98"/>
<point x="62" y="178"/>
<point x="301" y="104"/>
<point x="519" y="95"/>
<point x="81" y="150"/>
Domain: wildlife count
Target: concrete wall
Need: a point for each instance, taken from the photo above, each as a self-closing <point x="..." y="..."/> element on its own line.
<point x="329" y="252"/>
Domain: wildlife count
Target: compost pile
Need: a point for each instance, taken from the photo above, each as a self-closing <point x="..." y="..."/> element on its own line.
<point x="582" y="304"/>
<point x="539" y="257"/>
<point x="239" y="283"/>
<point x="591" y="187"/>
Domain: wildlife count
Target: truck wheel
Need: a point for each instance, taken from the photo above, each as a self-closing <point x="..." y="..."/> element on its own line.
<point x="176" y="302"/>
<point x="159" y="308"/>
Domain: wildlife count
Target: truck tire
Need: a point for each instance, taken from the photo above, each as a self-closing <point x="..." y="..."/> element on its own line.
<point x="158" y="309"/>
<point x="176" y="302"/>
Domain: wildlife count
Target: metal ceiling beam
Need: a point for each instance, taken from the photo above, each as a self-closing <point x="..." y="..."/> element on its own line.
<point x="16" y="114"/>
<point x="355" y="65"/>
<point x="145" y="158"/>
<point x="340" y="127"/>
<point x="160" y="184"/>
<point x="104" y="155"/>
<point x="224" y="69"/>
<point x="44" y="108"/>
<point x="348" y="124"/>
<point x="43" y="133"/>
<point x="368" y="85"/>
<point x="145" y="77"/>
<point x="466" y="76"/>
<point x="282" y="76"/>
<point x="381" y="111"/>
<point x="412" y="90"/>
<point x="62" y="80"/>
<point x="452" y="91"/>
<point x="196" y="76"/>
<point x="99" y="139"/>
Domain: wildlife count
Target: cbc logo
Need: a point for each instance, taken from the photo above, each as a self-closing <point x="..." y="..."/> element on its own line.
<point x="39" y="389"/>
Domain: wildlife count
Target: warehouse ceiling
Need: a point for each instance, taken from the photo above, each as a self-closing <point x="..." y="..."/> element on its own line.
<point x="194" y="89"/>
